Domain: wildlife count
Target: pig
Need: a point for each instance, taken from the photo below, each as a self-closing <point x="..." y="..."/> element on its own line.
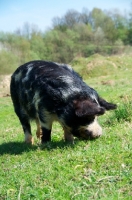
<point x="46" y="91"/>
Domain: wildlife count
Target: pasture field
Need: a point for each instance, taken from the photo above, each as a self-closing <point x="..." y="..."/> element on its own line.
<point x="99" y="169"/>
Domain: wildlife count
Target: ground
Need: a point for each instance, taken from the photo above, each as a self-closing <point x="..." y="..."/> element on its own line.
<point x="5" y="85"/>
<point x="99" y="169"/>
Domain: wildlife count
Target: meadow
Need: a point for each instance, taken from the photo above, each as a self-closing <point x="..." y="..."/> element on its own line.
<point x="99" y="169"/>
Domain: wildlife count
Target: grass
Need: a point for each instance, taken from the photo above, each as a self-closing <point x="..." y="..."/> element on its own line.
<point x="100" y="169"/>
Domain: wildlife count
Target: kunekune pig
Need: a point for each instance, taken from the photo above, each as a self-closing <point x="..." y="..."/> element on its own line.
<point x="47" y="91"/>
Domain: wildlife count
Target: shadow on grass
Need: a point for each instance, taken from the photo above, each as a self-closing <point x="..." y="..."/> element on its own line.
<point x="16" y="148"/>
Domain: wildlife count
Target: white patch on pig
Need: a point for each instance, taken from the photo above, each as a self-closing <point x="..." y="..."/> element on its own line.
<point x="18" y="76"/>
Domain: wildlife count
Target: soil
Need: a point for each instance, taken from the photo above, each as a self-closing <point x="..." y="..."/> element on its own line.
<point x="5" y="85"/>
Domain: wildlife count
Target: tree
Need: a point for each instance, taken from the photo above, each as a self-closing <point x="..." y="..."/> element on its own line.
<point x="85" y="16"/>
<point x="99" y="36"/>
<point x="71" y="18"/>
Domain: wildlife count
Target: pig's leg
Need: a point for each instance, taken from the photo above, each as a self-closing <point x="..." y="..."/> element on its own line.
<point x="45" y="119"/>
<point x="68" y="137"/>
<point x="39" y="130"/>
<point x="46" y="135"/>
<point x="25" y="122"/>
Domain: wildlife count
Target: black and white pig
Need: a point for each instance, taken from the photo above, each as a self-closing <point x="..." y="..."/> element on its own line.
<point x="47" y="91"/>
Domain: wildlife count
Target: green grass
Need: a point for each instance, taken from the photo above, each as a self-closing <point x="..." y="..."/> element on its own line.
<point x="97" y="65"/>
<point x="100" y="169"/>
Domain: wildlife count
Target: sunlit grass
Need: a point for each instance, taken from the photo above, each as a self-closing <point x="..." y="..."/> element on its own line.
<point x="100" y="169"/>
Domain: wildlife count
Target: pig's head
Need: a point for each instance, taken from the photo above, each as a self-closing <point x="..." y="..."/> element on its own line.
<point x="86" y="111"/>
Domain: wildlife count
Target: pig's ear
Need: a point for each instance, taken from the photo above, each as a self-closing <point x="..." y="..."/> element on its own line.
<point x="86" y="108"/>
<point x="106" y="105"/>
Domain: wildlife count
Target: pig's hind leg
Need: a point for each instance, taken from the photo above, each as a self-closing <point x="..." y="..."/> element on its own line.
<point x="25" y="122"/>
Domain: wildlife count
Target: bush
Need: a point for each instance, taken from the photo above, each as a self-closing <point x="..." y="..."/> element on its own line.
<point x="8" y="62"/>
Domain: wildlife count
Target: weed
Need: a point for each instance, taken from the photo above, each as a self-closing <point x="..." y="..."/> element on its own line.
<point x="121" y="115"/>
<point x="124" y="112"/>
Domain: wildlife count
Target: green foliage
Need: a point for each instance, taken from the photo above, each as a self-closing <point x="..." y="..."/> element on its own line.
<point x="124" y="112"/>
<point x="8" y="62"/>
<point x="74" y="35"/>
